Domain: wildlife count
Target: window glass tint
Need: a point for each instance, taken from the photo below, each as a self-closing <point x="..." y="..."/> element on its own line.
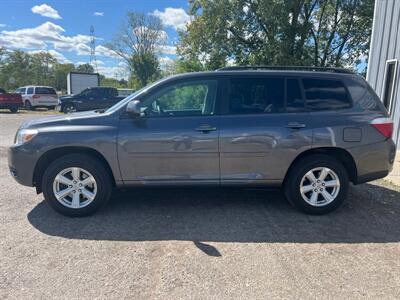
<point x="2" y="91"/>
<point x="324" y="94"/>
<point x="256" y="95"/>
<point x="187" y="99"/>
<point x="45" y="91"/>
<point x="30" y="91"/>
<point x="294" y="99"/>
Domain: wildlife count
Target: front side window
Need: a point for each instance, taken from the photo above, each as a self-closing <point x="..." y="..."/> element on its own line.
<point x="325" y="94"/>
<point x="256" y="95"/>
<point x="183" y="99"/>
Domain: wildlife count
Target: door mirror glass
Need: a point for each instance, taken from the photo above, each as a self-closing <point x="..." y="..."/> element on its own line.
<point x="133" y="108"/>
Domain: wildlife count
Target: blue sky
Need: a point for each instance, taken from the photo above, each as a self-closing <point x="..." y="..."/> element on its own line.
<point x="62" y="27"/>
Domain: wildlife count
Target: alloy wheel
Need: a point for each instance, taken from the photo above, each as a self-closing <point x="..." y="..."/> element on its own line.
<point x="74" y="187"/>
<point x="320" y="186"/>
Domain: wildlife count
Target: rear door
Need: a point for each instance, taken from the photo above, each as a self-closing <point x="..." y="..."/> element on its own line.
<point x="264" y="126"/>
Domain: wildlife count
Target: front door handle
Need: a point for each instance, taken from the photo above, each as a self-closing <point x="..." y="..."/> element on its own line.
<point x="295" y="125"/>
<point x="206" y="128"/>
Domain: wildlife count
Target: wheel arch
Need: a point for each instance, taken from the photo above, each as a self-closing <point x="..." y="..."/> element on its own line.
<point x="49" y="156"/>
<point x="340" y="154"/>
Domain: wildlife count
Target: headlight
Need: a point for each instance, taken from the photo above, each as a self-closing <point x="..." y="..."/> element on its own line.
<point x="25" y="135"/>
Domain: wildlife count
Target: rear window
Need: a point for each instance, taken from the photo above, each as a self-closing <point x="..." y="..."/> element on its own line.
<point x="323" y="94"/>
<point x="45" y="91"/>
<point x="2" y="91"/>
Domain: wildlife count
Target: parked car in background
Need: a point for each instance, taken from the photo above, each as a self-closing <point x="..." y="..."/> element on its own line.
<point x="311" y="131"/>
<point x="125" y="92"/>
<point x="11" y="101"/>
<point x="90" y="99"/>
<point x="38" y="96"/>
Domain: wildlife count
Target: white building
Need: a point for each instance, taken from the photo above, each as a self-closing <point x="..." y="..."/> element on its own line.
<point x="384" y="59"/>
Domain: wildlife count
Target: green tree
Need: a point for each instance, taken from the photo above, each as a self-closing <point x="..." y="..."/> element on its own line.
<point x="85" y="68"/>
<point x="60" y="75"/>
<point x="137" y="43"/>
<point x="281" y="32"/>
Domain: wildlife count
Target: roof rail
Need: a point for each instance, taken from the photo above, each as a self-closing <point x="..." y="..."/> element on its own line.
<point x="294" y="68"/>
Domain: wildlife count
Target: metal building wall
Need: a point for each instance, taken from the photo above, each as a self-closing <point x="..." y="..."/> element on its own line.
<point x="385" y="45"/>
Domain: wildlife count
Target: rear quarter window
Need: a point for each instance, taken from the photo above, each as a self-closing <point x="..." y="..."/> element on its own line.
<point x="364" y="98"/>
<point x="325" y="94"/>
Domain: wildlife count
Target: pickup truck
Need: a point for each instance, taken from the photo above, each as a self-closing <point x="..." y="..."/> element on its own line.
<point x="90" y="99"/>
<point x="11" y="101"/>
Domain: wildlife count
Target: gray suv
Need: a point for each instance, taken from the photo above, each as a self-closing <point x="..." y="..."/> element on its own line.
<point x="310" y="131"/>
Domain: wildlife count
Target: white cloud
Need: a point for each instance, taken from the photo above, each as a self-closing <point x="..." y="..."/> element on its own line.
<point x="46" y="11"/>
<point x="3" y="25"/>
<point x="117" y="72"/>
<point x="47" y="33"/>
<point x="104" y="51"/>
<point x="57" y="55"/>
<point x="98" y="14"/>
<point x="165" y="61"/>
<point x="175" y="17"/>
<point x="167" y="49"/>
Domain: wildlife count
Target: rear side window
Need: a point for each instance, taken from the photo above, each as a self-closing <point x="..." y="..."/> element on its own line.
<point x="30" y="91"/>
<point x="45" y="91"/>
<point x="256" y="95"/>
<point x="323" y="94"/>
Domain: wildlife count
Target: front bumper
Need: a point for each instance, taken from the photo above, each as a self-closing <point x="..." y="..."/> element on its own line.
<point x="21" y="163"/>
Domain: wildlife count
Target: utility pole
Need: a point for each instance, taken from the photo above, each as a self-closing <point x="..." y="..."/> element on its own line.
<point x="93" y="60"/>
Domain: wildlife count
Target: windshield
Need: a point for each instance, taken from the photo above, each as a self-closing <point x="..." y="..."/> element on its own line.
<point x="121" y="103"/>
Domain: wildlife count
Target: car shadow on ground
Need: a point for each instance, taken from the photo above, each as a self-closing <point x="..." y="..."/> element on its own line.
<point x="371" y="215"/>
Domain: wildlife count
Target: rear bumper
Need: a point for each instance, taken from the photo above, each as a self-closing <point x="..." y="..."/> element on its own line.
<point x="374" y="161"/>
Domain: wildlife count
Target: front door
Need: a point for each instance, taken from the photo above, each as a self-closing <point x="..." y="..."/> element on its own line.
<point x="264" y="126"/>
<point x="176" y="138"/>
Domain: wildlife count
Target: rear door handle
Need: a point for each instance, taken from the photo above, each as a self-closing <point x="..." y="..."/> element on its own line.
<point x="295" y="125"/>
<point x="206" y="128"/>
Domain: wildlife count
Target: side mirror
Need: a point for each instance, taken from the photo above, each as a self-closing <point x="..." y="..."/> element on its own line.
<point x="133" y="108"/>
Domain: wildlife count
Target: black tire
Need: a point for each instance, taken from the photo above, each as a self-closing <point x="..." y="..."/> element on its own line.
<point x="294" y="177"/>
<point x="14" y="110"/>
<point x="90" y="164"/>
<point x="69" y="108"/>
<point x="28" y="105"/>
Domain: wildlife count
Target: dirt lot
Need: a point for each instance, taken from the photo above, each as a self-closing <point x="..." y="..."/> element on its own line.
<point x="197" y="243"/>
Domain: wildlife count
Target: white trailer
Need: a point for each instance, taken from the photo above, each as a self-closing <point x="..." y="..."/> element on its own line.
<point x="77" y="82"/>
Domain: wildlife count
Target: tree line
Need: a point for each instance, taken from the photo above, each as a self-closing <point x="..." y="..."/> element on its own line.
<point x="19" y="68"/>
<point x="221" y="33"/>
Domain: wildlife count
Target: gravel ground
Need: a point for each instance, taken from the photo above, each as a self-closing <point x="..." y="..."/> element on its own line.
<point x="197" y="243"/>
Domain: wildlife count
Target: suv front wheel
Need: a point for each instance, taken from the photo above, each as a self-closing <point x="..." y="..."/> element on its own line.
<point x="317" y="184"/>
<point x="76" y="185"/>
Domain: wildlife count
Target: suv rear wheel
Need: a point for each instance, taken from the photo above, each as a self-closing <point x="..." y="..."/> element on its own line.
<point x="76" y="185"/>
<point x="317" y="184"/>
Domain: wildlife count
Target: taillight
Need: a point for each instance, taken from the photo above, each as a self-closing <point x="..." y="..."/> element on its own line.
<point x="35" y="96"/>
<point x="384" y="126"/>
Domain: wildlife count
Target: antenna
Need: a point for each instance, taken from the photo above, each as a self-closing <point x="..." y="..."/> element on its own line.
<point x="93" y="60"/>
